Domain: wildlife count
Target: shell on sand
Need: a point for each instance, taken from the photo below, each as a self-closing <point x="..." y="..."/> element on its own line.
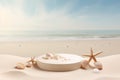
<point x="28" y="65"/>
<point x="84" y="64"/>
<point x="98" y="65"/>
<point x="96" y="70"/>
<point x="20" y="66"/>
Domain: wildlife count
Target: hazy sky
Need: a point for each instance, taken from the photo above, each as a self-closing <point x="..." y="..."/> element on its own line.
<point x="59" y="14"/>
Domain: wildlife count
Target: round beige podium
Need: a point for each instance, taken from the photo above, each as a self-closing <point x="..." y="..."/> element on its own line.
<point x="67" y="62"/>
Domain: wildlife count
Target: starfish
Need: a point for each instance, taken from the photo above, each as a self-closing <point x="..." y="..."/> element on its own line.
<point x="92" y="56"/>
<point x="32" y="60"/>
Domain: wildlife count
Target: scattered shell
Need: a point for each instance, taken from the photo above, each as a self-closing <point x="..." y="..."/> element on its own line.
<point x="96" y="70"/>
<point x="20" y="66"/>
<point x="49" y="55"/>
<point x="98" y="65"/>
<point x="56" y="57"/>
<point x="28" y="65"/>
<point x="45" y="57"/>
<point x="84" y="64"/>
<point x="52" y="56"/>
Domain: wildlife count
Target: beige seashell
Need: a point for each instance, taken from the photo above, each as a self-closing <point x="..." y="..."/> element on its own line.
<point x="56" y="57"/>
<point x="49" y="55"/>
<point x="96" y="70"/>
<point x="84" y="64"/>
<point x="52" y="56"/>
<point x="20" y="66"/>
<point x="98" y="65"/>
<point x="28" y="65"/>
<point x="45" y="57"/>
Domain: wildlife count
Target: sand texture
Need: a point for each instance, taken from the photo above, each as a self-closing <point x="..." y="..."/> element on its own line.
<point x="111" y="70"/>
<point x="79" y="47"/>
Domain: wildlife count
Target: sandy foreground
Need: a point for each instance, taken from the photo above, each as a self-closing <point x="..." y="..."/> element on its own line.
<point x="111" y="71"/>
<point x="13" y="52"/>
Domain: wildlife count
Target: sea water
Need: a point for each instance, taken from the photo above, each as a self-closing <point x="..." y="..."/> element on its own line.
<point x="59" y="34"/>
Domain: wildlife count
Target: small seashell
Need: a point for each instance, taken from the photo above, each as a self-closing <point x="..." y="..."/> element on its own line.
<point x="98" y="65"/>
<point x="45" y="58"/>
<point x="56" y="57"/>
<point x="84" y="64"/>
<point x="49" y="55"/>
<point x="28" y="65"/>
<point x="20" y="66"/>
<point x="96" y="70"/>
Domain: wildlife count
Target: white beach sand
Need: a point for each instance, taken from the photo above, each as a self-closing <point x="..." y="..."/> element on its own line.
<point x="110" y="59"/>
<point x="79" y="47"/>
<point x="111" y="71"/>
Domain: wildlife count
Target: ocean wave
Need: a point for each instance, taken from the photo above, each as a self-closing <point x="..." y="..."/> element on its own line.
<point x="57" y="38"/>
<point x="59" y="35"/>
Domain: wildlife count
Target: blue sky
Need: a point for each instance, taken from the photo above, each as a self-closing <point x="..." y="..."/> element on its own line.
<point x="59" y="14"/>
